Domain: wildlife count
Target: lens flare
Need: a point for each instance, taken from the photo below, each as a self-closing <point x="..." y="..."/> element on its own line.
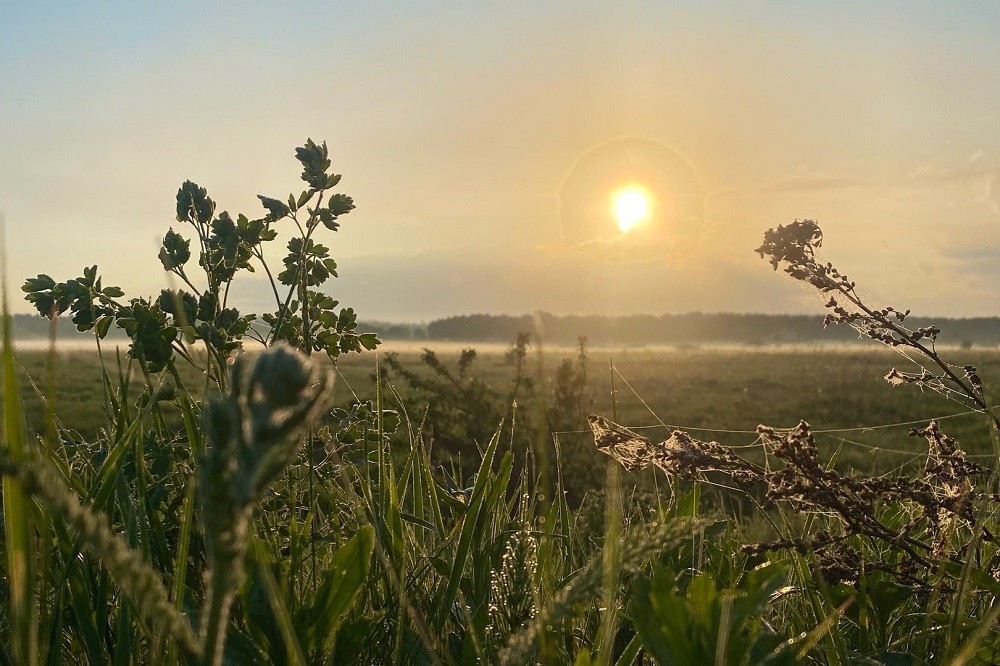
<point x="631" y="206"/>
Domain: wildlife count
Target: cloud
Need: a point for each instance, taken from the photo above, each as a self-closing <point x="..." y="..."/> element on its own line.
<point x="978" y="167"/>
<point x="979" y="170"/>
<point x="812" y="182"/>
<point x="978" y="261"/>
<point x="991" y="192"/>
<point x="796" y="182"/>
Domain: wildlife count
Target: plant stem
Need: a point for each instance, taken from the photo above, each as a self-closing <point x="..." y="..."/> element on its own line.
<point x="225" y="572"/>
<point x="928" y="353"/>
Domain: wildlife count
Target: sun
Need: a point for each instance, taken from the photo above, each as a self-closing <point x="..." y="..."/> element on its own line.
<point x="631" y="206"/>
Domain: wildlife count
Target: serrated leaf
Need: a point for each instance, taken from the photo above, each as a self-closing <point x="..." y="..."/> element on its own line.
<point x="194" y="204"/>
<point x="39" y="283"/>
<point x="340" y="204"/>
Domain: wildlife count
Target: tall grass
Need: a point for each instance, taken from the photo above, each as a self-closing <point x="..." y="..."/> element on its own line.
<point x="261" y="526"/>
<point x="381" y="548"/>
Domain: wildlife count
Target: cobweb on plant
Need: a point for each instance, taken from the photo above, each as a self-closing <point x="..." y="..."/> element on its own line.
<point x="793" y="249"/>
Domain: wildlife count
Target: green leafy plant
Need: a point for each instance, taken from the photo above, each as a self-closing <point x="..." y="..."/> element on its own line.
<point x="166" y="325"/>
<point x="701" y="623"/>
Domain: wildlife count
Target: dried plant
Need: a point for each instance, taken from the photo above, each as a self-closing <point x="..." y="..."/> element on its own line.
<point x="942" y="511"/>
<point x="681" y="455"/>
<point x="938" y="504"/>
<point x="792" y="248"/>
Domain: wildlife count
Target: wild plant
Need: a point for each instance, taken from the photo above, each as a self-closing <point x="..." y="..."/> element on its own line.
<point x="460" y="404"/>
<point x="571" y="399"/>
<point x="460" y="408"/>
<point x="163" y="327"/>
<point x="793" y="247"/>
<point x="931" y="536"/>
<point x="250" y="438"/>
<point x="249" y="442"/>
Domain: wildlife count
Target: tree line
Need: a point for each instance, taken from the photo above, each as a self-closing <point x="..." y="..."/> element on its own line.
<point x="667" y="329"/>
<point x="690" y="328"/>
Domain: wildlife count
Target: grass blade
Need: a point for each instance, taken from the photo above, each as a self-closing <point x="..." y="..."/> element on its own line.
<point x="17" y="522"/>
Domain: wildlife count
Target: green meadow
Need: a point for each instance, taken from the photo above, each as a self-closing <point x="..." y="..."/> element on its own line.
<point x="286" y="488"/>
<point x="713" y="391"/>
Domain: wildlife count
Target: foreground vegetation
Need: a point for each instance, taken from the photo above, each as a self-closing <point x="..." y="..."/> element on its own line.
<point x="250" y="511"/>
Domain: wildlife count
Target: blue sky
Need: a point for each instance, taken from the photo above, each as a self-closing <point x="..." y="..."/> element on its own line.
<point x="456" y="124"/>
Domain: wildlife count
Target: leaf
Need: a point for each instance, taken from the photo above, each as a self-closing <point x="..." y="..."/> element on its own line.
<point x="39" y="283"/>
<point x="470" y="524"/>
<point x="352" y="638"/>
<point x="342" y="583"/>
<point x="275" y="209"/>
<point x="315" y="161"/>
<point x="340" y="204"/>
<point x="175" y="251"/>
<point x="331" y="266"/>
<point x="347" y="321"/>
<point x="194" y="204"/>
<point x="369" y="341"/>
<point x="103" y="325"/>
<point x="328" y="219"/>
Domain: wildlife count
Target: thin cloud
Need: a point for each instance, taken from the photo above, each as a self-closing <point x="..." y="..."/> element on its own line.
<point x="978" y="169"/>
<point x="811" y="183"/>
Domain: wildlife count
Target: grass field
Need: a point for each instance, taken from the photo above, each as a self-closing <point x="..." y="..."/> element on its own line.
<point x="373" y="545"/>
<point x="709" y="391"/>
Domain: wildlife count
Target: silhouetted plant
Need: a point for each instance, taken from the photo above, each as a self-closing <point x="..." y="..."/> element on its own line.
<point x="571" y="399"/>
<point x="792" y="248"/>
<point x="461" y="409"/>
<point x="516" y="356"/>
<point x="161" y="327"/>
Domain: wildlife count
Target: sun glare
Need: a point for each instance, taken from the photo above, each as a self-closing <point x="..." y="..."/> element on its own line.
<point x="631" y="206"/>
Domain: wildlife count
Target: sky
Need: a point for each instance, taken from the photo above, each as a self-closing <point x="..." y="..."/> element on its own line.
<point x="481" y="141"/>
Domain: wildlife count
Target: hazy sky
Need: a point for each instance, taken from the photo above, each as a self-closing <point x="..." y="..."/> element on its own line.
<point x="457" y="126"/>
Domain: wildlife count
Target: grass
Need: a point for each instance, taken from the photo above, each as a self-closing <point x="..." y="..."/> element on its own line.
<point x="363" y="542"/>
<point x="717" y="390"/>
<point x="454" y="509"/>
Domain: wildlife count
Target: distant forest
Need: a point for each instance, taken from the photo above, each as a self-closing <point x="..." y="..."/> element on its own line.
<point x="683" y="329"/>
<point x="692" y="328"/>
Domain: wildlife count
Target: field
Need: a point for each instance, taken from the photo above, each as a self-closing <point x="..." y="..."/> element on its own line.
<point x="316" y="497"/>
<point x="709" y="391"/>
<point x="506" y="571"/>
